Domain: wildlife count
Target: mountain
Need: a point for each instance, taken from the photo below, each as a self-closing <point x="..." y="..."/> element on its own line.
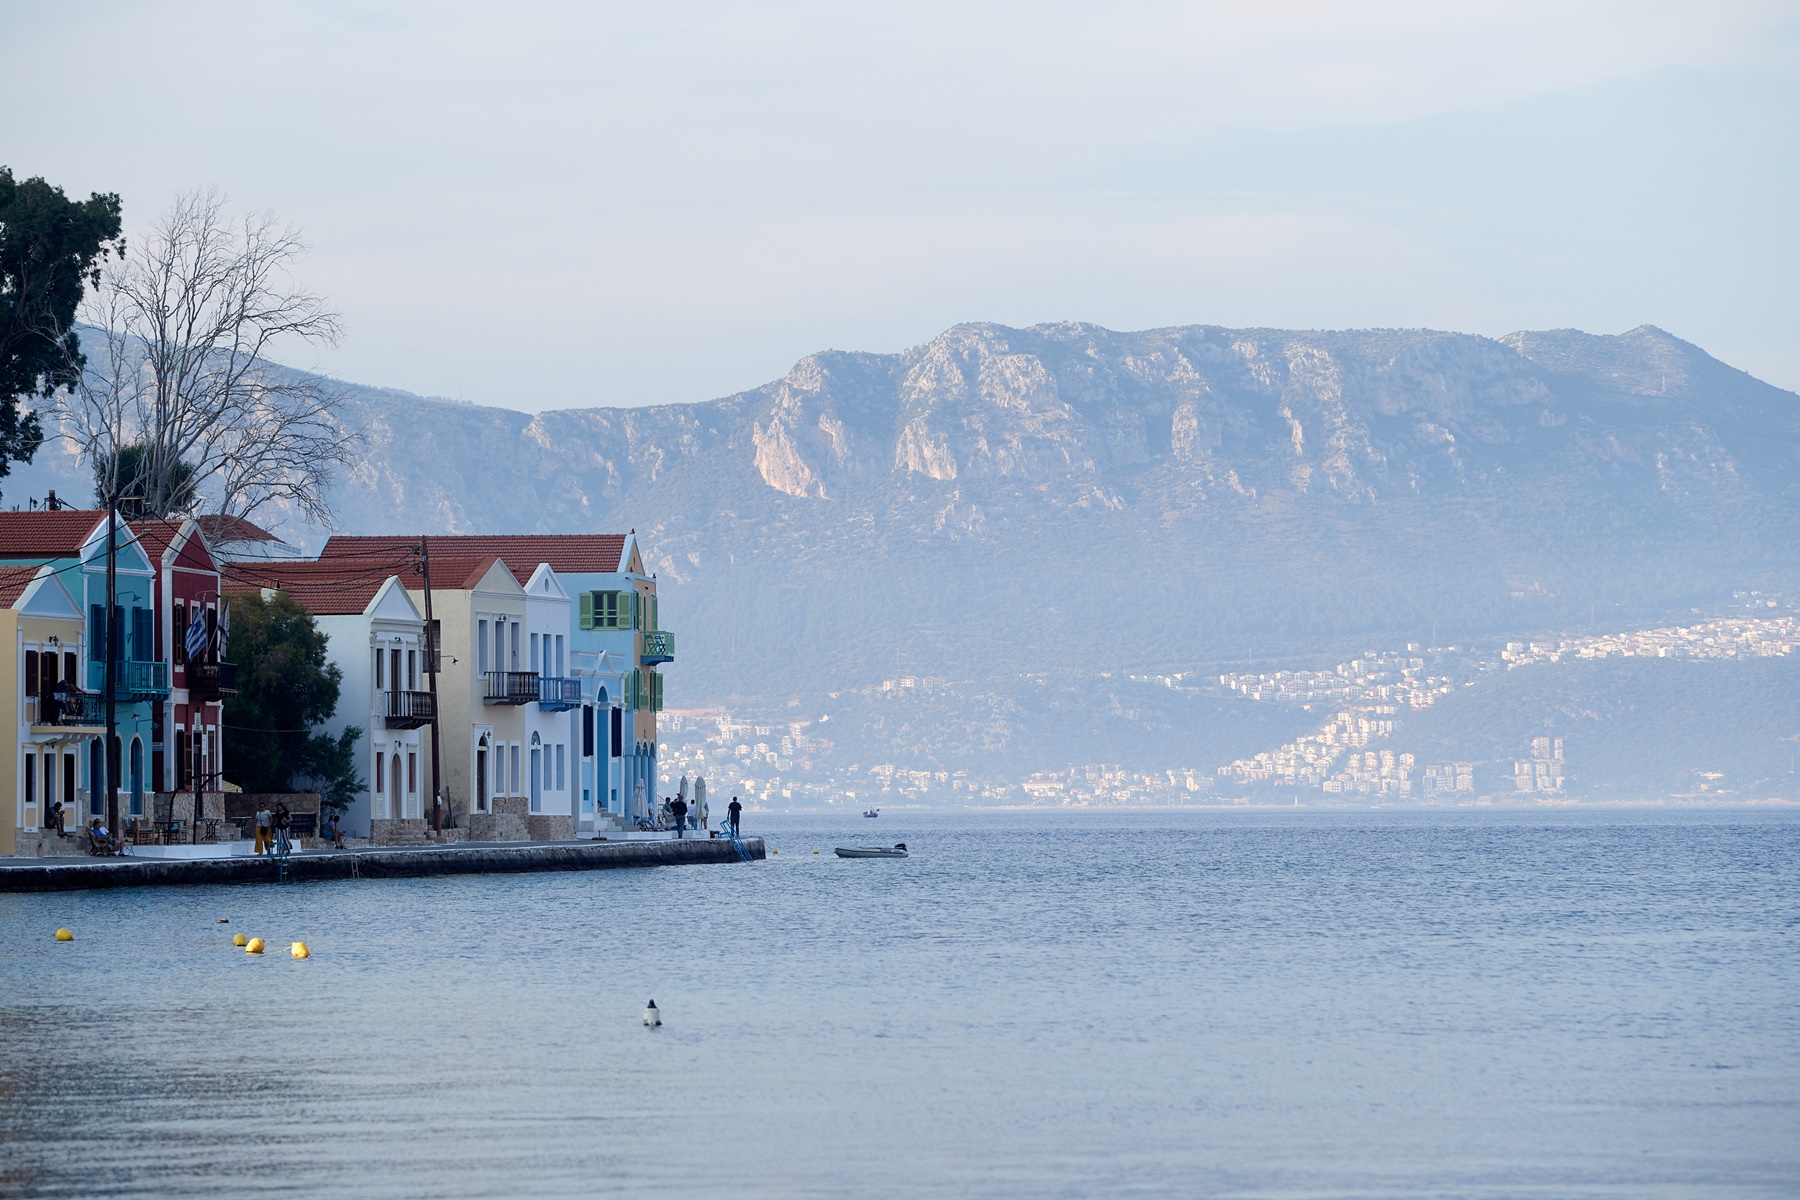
<point x="1004" y="505"/>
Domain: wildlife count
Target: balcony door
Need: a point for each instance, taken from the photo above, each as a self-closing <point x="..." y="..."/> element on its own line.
<point x="395" y="795"/>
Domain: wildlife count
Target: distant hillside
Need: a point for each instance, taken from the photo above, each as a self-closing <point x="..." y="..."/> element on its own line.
<point x="1000" y="502"/>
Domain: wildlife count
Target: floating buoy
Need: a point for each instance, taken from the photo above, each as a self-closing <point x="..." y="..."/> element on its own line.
<point x="815" y="851"/>
<point x="299" y="950"/>
<point x="652" y="1017"/>
<point x="238" y="939"/>
<point x="255" y="946"/>
<point x="223" y="921"/>
<point x="63" y="935"/>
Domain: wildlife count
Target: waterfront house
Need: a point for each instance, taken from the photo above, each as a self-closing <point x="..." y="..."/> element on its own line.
<point x="50" y="718"/>
<point x="186" y="747"/>
<point x="375" y="636"/>
<point x="616" y="647"/>
<point x="74" y="543"/>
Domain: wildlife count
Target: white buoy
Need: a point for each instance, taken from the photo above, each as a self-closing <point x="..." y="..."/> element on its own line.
<point x="652" y="1017"/>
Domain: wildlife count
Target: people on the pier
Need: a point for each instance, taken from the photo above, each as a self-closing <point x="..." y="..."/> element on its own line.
<point x="265" y="823"/>
<point x="679" y="808"/>
<point x="736" y="811"/>
<point x="284" y="821"/>
<point x="101" y="841"/>
<point x="331" y="832"/>
<point x="56" y="819"/>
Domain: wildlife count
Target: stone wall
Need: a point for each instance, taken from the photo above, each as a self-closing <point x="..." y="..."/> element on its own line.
<point x="550" y="827"/>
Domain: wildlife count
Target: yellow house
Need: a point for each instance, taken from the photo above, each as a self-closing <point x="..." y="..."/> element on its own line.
<point x="53" y="723"/>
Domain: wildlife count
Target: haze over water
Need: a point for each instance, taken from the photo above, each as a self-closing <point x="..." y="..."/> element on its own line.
<point x="1035" y="1004"/>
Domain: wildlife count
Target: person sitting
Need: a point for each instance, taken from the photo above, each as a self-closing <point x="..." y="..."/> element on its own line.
<point x="331" y="832"/>
<point x="56" y="819"/>
<point x="101" y="841"/>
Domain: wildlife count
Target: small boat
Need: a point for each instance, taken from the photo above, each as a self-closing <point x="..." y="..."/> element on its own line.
<point x="898" y="851"/>
<point x="871" y="812"/>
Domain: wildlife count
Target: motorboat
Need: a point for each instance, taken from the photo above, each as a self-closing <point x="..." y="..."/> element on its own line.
<point x="871" y="812"/>
<point x="898" y="850"/>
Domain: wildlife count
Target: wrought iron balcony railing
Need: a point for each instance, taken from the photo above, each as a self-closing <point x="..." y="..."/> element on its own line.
<point x="659" y="647"/>
<point x="211" y="681"/>
<point x="66" y="708"/>
<point x="133" y="679"/>
<point x="408" y="710"/>
<point x="558" y="694"/>
<point x="511" y="687"/>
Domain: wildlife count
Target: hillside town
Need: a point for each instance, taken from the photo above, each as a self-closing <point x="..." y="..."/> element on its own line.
<point x="490" y="688"/>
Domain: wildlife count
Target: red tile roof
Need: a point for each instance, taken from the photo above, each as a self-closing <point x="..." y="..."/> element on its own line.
<point x="324" y="589"/>
<point x="220" y="528"/>
<point x="14" y="581"/>
<point x="57" y="534"/>
<point x="565" y="552"/>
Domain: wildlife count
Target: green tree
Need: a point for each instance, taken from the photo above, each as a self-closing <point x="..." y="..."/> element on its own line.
<point x="148" y="488"/>
<point x="50" y="250"/>
<point x="285" y="688"/>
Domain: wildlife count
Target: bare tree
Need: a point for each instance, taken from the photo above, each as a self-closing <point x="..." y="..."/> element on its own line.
<point x="184" y="407"/>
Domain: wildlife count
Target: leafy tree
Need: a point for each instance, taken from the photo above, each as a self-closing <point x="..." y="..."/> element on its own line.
<point x="151" y="488"/>
<point x="285" y="688"/>
<point x="50" y="249"/>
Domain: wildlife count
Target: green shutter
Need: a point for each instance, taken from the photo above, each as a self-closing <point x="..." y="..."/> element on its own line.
<point x="587" y="610"/>
<point x="654" y="607"/>
<point x="636" y="688"/>
<point x="637" y="610"/>
<point x="656" y="691"/>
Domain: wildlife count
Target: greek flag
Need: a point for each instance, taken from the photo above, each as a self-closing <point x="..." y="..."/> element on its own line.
<point x="195" y="640"/>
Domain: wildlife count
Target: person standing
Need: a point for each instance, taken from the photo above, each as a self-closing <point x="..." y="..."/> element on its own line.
<point x="735" y="810"/>
<point x="283" y="823"/>
<point x="680" y="810"/>
<point x="265" y="821"/>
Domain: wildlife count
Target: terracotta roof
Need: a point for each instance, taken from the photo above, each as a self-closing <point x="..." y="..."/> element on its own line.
<point x="14" y="581"/>
<point x="324" y="589"/>
<point x="57" y="534"/>
<point x="220" y="528"/>
<point x="565" y="552"/>
<point x="156" y="536"/>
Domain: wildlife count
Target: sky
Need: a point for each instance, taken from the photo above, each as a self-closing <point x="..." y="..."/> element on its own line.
<point x="564" y="205"/>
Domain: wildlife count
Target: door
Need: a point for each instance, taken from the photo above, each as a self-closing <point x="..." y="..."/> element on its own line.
<point x="396" y="797"/>
<point x="68" y="792"/>
<point x="537" y="768"/>
<point x="481" y="780"/>
<point x="137" y="777"/>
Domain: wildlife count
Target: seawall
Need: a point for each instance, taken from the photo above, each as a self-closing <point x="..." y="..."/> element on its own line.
<point x="51" y="875"/>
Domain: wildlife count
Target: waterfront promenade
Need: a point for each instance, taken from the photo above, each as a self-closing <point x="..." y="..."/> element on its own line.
<point x="463" y="858"/>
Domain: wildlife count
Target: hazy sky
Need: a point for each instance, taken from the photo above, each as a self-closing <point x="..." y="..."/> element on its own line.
<point x="550" y="205"/>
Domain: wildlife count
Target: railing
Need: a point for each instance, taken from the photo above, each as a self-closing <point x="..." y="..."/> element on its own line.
<point x="409" y="710"/>
<point x="70" y="708"/>
<point x="133" y="679"/>
<point x="210" y="681"/>
<point x="511" y="687"/>
<point x="659" y="647"/>
<point x="557" y="694"/>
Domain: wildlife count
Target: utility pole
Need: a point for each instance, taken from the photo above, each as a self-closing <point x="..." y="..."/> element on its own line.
<point x="431" y="665"/>
<point x="109" y="685"/>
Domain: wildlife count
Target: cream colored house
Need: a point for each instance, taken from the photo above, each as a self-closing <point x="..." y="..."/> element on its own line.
<point x="52" y="721"/>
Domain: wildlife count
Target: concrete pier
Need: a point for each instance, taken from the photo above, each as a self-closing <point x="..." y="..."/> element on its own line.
<point x="62" y="874"/>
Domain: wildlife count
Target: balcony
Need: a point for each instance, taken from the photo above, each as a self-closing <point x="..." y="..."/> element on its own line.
<point x="659" y="647"/>
<point x="133" y="679"/>
<point x="408" y="710"/>
<point x="70" y="709"/>
<point x="510" y="687"/>
<point x="211" y="681"/>
<point x="557" y="694"/>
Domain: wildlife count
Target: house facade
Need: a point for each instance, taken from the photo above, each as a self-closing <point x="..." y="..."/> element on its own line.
<point x="375" y="636"/>
<point x="615" y="650"/>
<point x="51" y="721"/>
<point x="74" y="543"/>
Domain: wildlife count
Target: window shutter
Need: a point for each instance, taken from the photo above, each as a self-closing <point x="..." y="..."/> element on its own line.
<point x="654" y="608"/>
<point x="587" y="610"/>
<point x="637" y="610"/>
<point x="656" y="691"/>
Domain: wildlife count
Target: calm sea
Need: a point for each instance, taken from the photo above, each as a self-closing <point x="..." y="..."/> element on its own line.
<point x="1190" y="1004"/>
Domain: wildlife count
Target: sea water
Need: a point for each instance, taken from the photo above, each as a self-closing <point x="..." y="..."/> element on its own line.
<point x="1085" y="1004"/>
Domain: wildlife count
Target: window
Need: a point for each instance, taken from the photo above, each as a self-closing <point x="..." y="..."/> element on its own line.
<point x="412" y="772"/>
<point x="559" y="654"/>
<point x="512" y="633"/>
<point x="31" y="779"/>
<point x="96" y="627"/>
<point x="607" y="610"/>
<point x="180" y="626"/>
<point x="31" y="672"/>
<point x="380" y="768"/>
<point x="412" y="670"/>
<point x="49" y="781"/>
<point x="380" y="682"/>
<point x="481" y="654"/>
<point x="143" y="635"/>
<point x="536" y="663"/>
<point x="587" y="731"/>
<point x="515" y="761"/>
<point x="394" y="668"/>
<point x="562" y="780"/>
<point x="618" y="734"/>
<point x="69" y="662"/>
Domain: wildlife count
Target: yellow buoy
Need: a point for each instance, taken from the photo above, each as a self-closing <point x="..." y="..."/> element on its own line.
<point x="255" y="946"/>
<point x="299" y="950"/>
<point x="63" y="935"/>
<point x="815" y="851"/>
<point x="238" y="939"/>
